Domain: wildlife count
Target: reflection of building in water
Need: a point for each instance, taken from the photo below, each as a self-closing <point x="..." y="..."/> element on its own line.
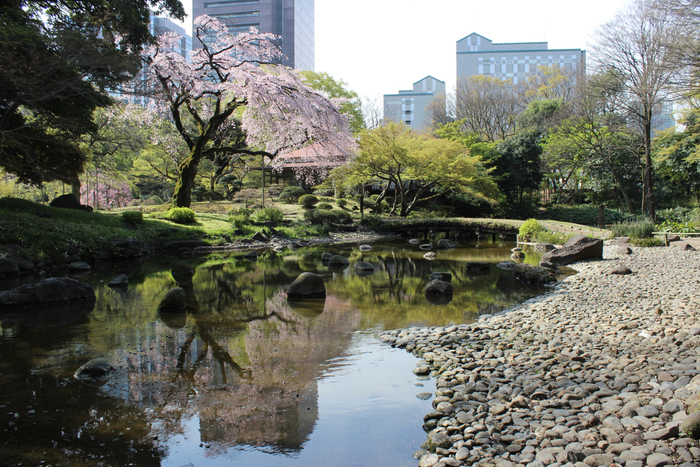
<point x="250" y="381"/>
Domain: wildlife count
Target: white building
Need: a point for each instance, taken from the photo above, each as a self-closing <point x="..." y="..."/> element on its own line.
<point x="477" y="55"/>
<point x="410" y="107"/>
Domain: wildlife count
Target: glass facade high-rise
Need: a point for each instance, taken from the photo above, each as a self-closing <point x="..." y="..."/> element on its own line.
<point x="292" y="20"/>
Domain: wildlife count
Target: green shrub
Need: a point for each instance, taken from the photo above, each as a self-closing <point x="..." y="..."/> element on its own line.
<point x="529" y="229"/>
<point x="133" y="217"/>
<point x="155" y="199"/>
<point x="639" y="229"/>
<point x="342" y="203"/>
<point x="373" y="222"/>
<point x="308" y="201"/>
<point x="291" y="194"/>
<point x="325" y="216"/>
<point x="269" y="215"/>
<point x="549" y="236"/>
<point x="180" y="215"/>
<point x="239" y="220"/>
<point x="645" y="241"/>
<point x="324" y="206"/>
<point x="675" y="227"/>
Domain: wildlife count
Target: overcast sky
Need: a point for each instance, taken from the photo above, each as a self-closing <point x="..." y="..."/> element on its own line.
<point x="382" y="46"/>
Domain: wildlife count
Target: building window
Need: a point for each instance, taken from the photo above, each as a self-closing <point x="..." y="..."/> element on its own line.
<point x="230" y="2"/>
<point x="242" y="14"/>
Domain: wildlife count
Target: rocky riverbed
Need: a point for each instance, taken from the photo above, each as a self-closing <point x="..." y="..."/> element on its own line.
<point x="604" y="370"/>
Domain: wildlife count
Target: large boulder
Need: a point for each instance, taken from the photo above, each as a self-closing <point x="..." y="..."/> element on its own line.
<point x="123" y="248"/>
<point x="182" y="272"/>
<point x="438" y="287"/>
<point x="67" y="201"/>
<point x="338" y="261"/>
<point x="477" y="266"/>
<point x="364" y="266"/>
<point x="531" y="274"/>
<point x="307" y="285"/>
<point x="174" y="300"/>
<point x="577" y="248"/>
<point x="442" y="276"/>
<point x="79" y="266"/>
<point x="445" y="244"/>
<point x="8" y="268"/>
<point x="95" y="368"/>
<point x="119" y="282"/>
<point x="53" y="291"/>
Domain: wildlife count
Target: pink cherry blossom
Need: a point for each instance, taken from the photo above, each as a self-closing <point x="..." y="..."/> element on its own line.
<point x="232" y="80"/>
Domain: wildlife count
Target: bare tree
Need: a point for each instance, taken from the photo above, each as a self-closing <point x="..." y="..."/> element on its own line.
<point x="440" y="110"/>
<point x="634" y="49"/>
<point x="686" y="14"/>
<point x="489" y="107"/>
<point x="372" y="112"/>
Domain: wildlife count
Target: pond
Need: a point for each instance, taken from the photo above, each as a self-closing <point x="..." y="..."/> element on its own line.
<point x="244" y="377"/>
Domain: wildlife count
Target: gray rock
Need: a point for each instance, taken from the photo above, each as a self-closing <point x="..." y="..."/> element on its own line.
<point x="658" y="460"/>
<point x="438" y="287"/>
<point x="95" y="368"/>
<point x="364" y="266"/>
<point x="182" y="272"/>
<point x="8" y="268"/>
<point x="47" y="292"/>
<point x="438" y="440"/>
<point x="577" y="248"/>
<point x="79" y="266"/>
<point x="365" y="248"/>
<point x="534" y="274"/>
<point x="691" y="425"/>
<point x="477" y="266"/>
<point x="426" y="246"/>
<point x="620" y="270"/>
<point x="506" y="265"/>
<point x="119" y="281"/>
<point x="307" y="285"/>
<point x="445" y="244"/>
<point x="338" y="261"/>
<point x="414" y="241"/>
<point x="441" y="276"/>
<point x="599" y="459"/>
<point x="175" y="300"/>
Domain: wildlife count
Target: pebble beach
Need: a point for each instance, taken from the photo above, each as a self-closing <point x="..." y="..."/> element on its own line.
<point x="602" y="370"/>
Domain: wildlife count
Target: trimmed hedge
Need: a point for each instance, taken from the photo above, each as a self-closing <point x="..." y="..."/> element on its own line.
<point x="325" y="216"/>
<point x="308" y="201"/>
<point x="291" y="194"/>
<point x="180" y="215"/>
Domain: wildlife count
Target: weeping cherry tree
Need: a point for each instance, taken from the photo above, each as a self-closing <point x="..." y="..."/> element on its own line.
<point x="232" y="82"/>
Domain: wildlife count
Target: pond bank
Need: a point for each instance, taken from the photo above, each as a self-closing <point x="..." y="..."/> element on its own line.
<point x="603" y="370"/>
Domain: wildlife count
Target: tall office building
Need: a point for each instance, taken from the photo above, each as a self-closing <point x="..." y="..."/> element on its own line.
<point x="159" y="26"/>
<point x="477" y="55"/>
<point x="410" y="106"/>
<point x="292" y="20"/>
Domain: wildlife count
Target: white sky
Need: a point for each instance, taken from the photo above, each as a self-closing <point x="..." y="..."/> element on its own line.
<point x="382" y="46"/>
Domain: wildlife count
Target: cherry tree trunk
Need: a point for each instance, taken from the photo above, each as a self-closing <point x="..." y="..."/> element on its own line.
<point x="182" y="198"/>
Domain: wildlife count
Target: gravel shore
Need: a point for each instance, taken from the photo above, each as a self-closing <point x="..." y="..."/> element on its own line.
<point x="603" y="370"/>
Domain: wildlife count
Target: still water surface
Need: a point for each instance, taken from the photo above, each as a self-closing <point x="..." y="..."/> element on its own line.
<point x="243" y="377"/>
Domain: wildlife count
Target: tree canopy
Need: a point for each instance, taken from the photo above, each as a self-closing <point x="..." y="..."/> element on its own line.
<point x="416" y="167"/>
<point x="58" y="59"/>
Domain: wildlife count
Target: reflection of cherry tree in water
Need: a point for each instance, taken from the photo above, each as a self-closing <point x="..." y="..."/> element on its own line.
<point x="246" y="365"/>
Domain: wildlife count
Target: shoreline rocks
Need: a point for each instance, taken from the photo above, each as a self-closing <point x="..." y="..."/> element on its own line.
<point x="601" y="371"/>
